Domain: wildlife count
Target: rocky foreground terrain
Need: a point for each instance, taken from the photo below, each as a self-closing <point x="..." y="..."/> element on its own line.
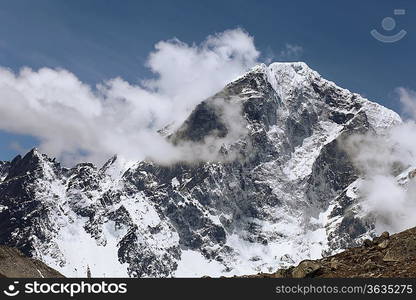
<point x="383" y="256"/>
<point x="13" y="264"/>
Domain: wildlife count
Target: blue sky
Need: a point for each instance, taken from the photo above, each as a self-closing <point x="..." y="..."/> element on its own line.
<point x="100" y="40"/>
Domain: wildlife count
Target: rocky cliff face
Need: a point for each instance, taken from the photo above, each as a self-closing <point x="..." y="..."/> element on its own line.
<point x="268" y="184"/>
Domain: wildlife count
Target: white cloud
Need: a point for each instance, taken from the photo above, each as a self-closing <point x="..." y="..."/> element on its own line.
<point x="380" y="159"/>
<point x="408" y="100"/>
<point x="291" y="52"/>
<point x="76" y="122"/>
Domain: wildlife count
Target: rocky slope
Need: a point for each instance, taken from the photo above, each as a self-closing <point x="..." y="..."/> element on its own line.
<point x="384" y="256"/>
<point x="264" y="182"/>
<point x="13" y="264"/>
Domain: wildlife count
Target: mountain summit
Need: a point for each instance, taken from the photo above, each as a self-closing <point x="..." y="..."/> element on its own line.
<point x="264" y="183"/>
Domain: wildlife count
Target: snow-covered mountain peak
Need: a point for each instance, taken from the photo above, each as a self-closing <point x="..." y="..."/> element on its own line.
<point x="291" y="78"/>
<point x="292" y="69"/>
<point x="285" y="77"/>
<point x="34" y="163"/>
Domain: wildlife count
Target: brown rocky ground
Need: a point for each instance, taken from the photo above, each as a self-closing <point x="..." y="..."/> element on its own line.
<point x="13" y="264"/>
<point x="384" y="256"/>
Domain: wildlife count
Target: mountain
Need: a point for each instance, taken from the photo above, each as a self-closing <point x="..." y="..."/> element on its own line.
<point x="264" y="182"/>
<point x="13" y="264"/>
<point x="384" y="256"/>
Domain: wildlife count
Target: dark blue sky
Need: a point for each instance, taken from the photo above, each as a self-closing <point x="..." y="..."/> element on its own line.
<point x="99" y="39"/>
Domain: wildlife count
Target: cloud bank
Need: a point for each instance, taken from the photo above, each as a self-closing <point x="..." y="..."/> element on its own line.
<point x="388" y="163"/>
<point x="76" y="122"/>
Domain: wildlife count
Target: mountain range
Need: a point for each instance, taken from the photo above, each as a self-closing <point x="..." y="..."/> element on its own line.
<point x="265" y="182"/>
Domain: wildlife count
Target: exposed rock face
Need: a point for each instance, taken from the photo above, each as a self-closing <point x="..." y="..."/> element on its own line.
<point x="306" y="268"/>
<point x="13" y="264"/>
<point x="281" y="188"/>
<point x="384" y="256"/>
